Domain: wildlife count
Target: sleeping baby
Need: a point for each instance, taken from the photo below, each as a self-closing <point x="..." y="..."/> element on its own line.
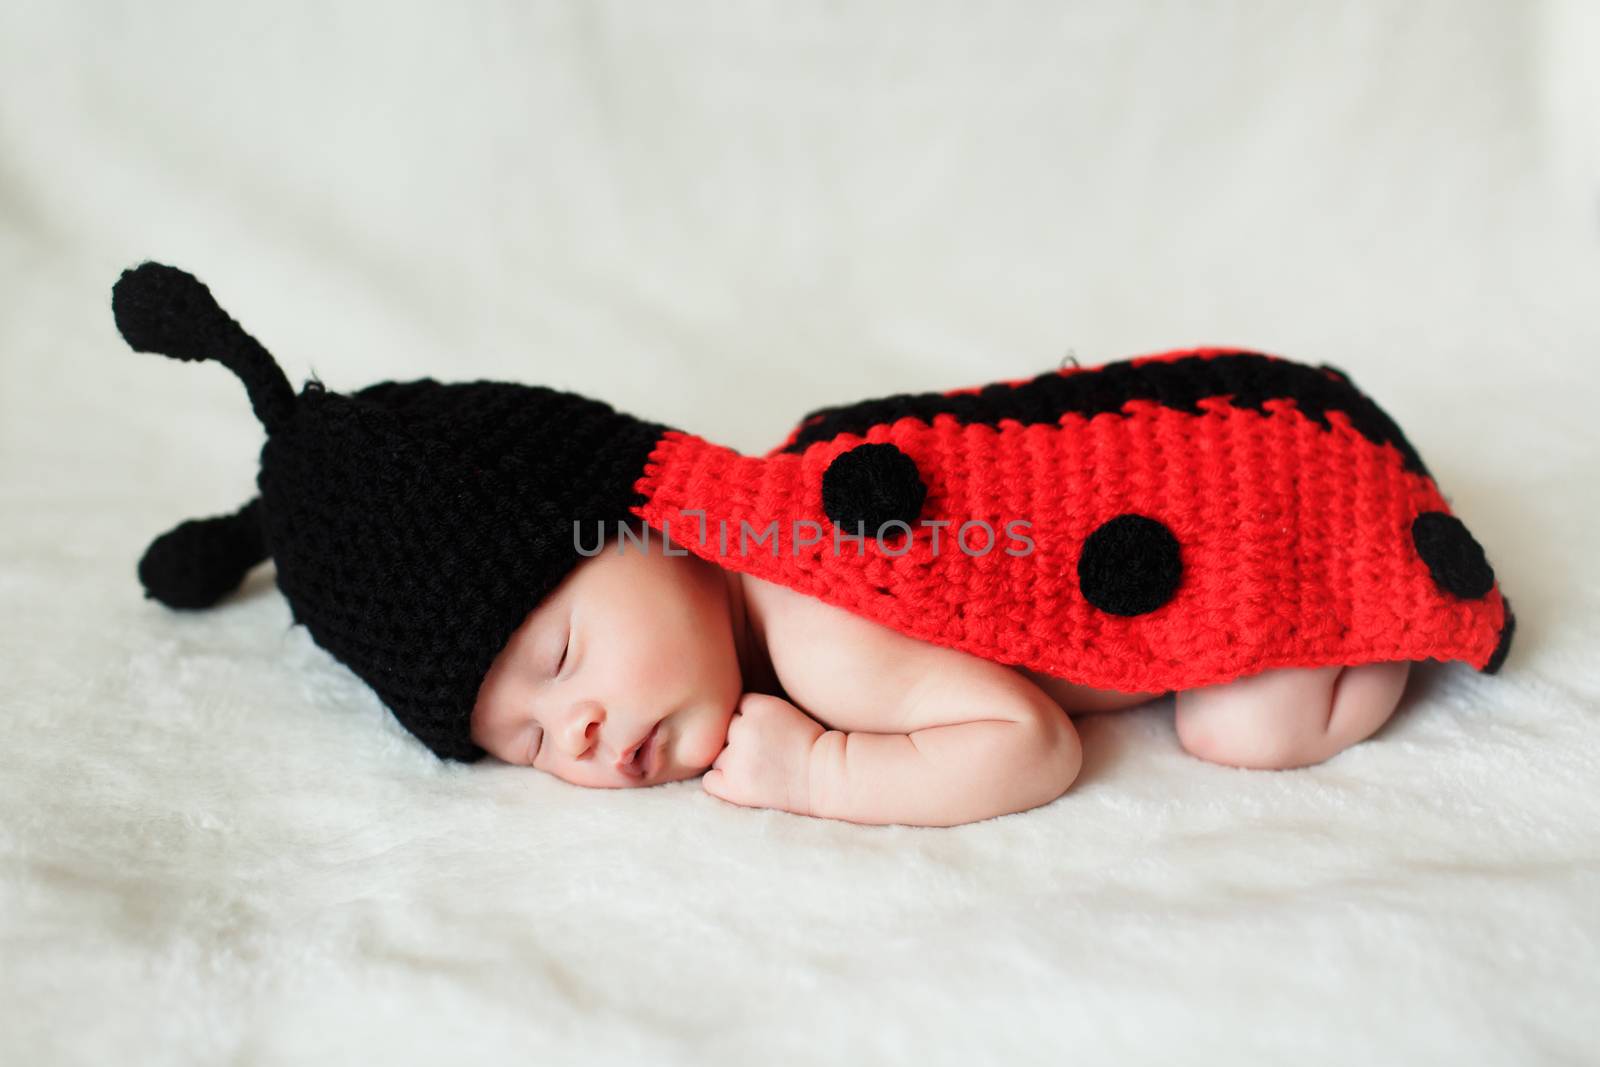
<point x="646" y="667"/>
<point x="888" y="618"/>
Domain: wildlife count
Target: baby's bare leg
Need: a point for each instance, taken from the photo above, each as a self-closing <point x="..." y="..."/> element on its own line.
<point x="1291" y="717"/>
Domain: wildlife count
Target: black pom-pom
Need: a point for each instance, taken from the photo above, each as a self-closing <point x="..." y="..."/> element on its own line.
<point x="200" y="561"/>
<point x="870" y="485"/>
<point x="163" y="309"/>
<point x="1129" y="566"/>
<point x="1453" y="555"/>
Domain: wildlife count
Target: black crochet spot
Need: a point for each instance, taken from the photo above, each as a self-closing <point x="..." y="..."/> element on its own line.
<point x="1129" y="566"/>
<point x="1503" y="646"/>
<point x="870" y="485"/>
<point x="1454" y="557"/>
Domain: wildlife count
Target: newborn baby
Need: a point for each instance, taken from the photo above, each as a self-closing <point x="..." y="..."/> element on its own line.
<point x="1229" y="526"/>
<point x="649" y="664"/>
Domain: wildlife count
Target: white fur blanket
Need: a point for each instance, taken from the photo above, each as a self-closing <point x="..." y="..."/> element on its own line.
<point x="216" y="848"/>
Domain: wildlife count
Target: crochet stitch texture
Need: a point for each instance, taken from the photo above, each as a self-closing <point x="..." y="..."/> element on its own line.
<point x="1195" y="516"/>
<point x="1191" y="517"/>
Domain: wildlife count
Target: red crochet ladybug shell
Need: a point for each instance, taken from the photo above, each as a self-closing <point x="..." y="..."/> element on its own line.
<point x="1160" y="523"/>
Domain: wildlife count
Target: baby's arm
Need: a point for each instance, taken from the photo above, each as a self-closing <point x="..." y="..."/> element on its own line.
<point x="995" y="744"/>
<point x="904" y="731"/>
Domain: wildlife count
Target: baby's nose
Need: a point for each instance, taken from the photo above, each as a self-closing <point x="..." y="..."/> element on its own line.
<point x="582" y="731"/>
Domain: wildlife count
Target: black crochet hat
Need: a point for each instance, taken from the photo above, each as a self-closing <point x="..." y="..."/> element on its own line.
<point x="414" y="525"/>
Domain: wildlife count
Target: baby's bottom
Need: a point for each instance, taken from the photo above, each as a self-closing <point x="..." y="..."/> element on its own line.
<point x="1290" y="717"/>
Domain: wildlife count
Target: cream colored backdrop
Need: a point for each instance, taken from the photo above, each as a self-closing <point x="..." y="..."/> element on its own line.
<point x="215" y="847"/>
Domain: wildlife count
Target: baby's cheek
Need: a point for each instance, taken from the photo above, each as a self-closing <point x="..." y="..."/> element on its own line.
<point x="660" y="665"/>
<point x="708" y="740"/>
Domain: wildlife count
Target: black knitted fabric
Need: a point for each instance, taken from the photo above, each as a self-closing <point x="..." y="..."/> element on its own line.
<point x="414" y="525"/>
<point x="1247" y="379"/>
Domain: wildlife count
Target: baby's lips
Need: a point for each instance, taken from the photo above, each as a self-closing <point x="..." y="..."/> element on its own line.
<point x="638" y="761"/>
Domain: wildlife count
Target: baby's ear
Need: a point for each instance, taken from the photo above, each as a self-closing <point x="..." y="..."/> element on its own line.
<point x="200" y="561"/>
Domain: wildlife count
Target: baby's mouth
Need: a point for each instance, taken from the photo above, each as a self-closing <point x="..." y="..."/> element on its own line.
<point x="640" y="759"/>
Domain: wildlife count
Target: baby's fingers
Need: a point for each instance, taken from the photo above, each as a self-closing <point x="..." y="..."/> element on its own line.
<point x="717" y="784"/>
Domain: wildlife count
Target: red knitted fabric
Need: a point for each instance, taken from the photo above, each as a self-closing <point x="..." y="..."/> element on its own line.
<point x="1293" y="517"/>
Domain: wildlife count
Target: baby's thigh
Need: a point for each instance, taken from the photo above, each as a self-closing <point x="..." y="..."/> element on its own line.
<point x="1291" y="717"/>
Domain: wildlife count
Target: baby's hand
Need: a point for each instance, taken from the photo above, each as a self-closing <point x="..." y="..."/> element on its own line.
<point x="767" y="761"/>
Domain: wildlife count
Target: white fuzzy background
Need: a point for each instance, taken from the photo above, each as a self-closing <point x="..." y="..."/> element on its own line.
<point x="215" y="847"/>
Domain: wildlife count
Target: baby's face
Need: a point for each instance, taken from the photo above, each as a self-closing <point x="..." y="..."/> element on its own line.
<point x="632" y="640"/>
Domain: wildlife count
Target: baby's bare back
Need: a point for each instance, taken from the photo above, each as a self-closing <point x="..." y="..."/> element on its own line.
<point x="847" y="672"/>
